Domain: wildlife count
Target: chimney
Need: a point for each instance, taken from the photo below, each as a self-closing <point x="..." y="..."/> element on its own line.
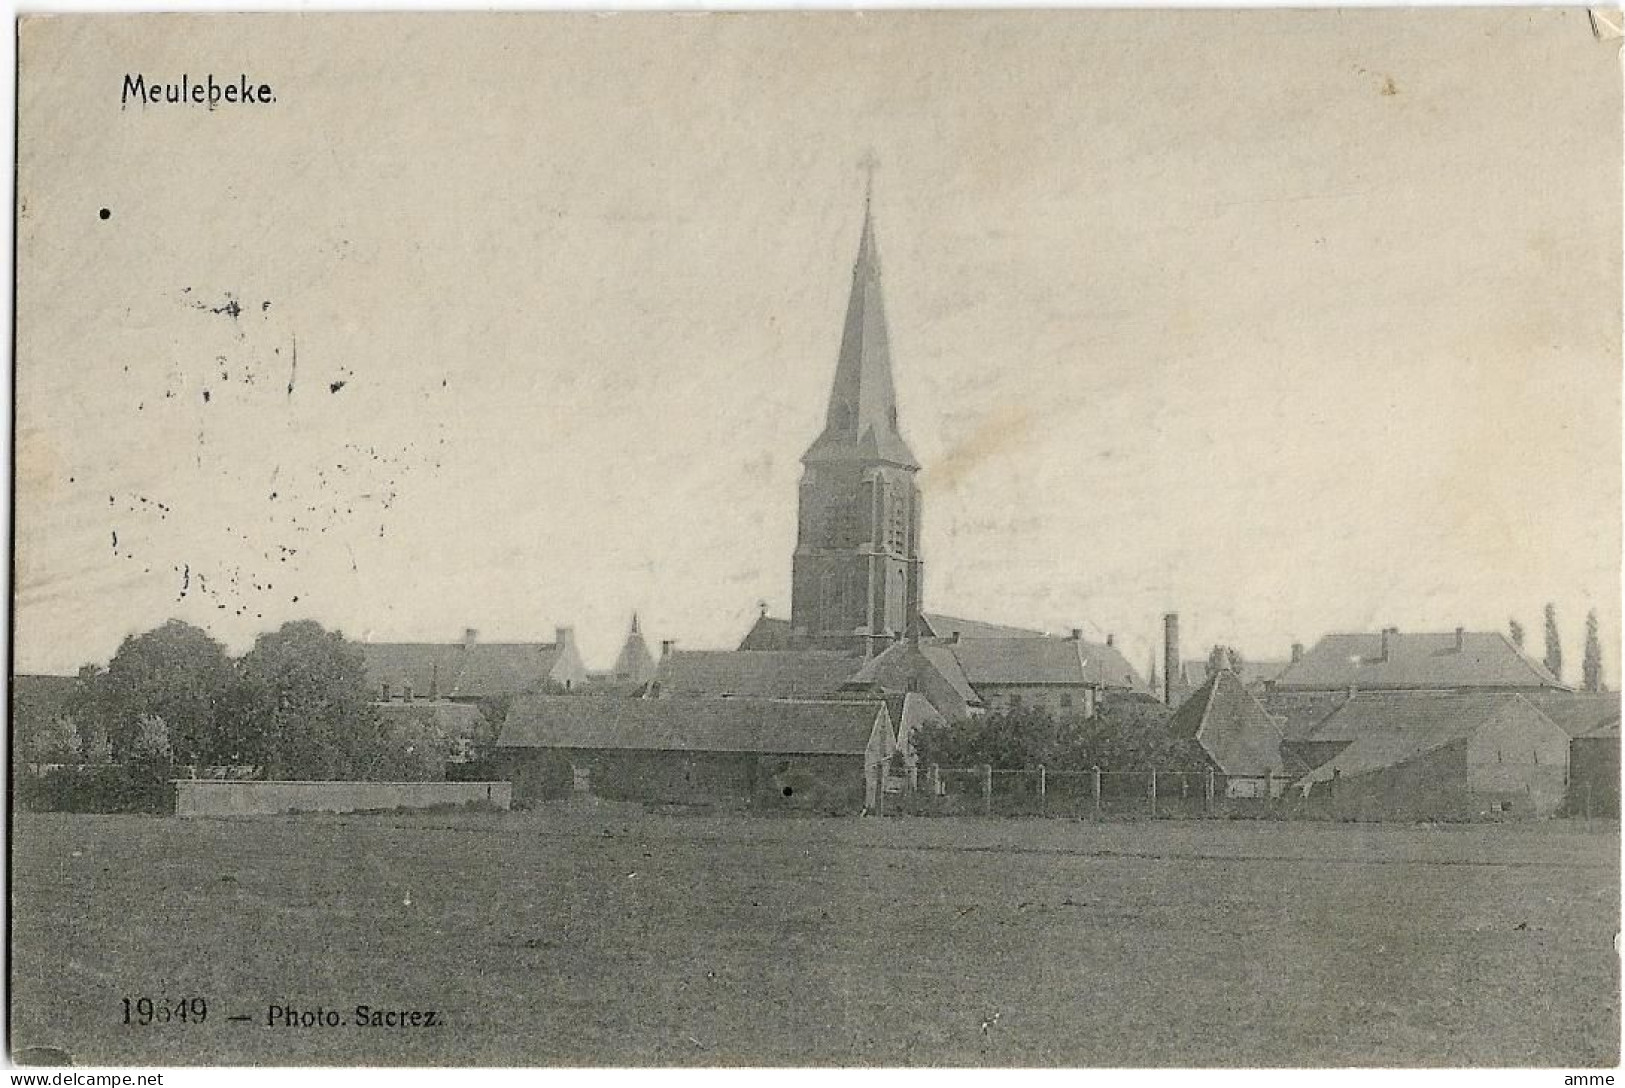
<point x="564" y="636"/>
<point x="470" y="636"/>
<point x="1461" y="639"/>
<point x="1387" y="643"/>
<point x="1077" y="635"/>
<point x="1297" y="652"/>
<point x="1170" y="655"/>
<point x="1109" y="638"/>
<point x="666" y="646"/>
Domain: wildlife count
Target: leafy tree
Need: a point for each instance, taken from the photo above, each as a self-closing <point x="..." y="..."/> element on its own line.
<point x="56" y="742"/>
<point x="306" y="705"/>
<point x="1124" y="734"/>
<point x="150" y="743"/>
<point x="175" y="672"/>
<point x="412" y="747"/>
<point x="1591" y="664"/>
<point x="1515" y="630"/>
<point x="90" y="708"/>
<point x="1554" y="645"/>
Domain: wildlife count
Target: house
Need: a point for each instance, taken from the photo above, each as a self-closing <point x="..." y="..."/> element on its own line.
<point x="937" y="625"/>
<point x="926" y="668"/>
<point x="471" y="670"/>
<point x="1438" y="753"/>
<point x="1255" y="676"/>
<point x="1591" y="719"/>
<point x="1239" y="738"/>
<point x="1594" y="771"/>
<point x="962" y="677"/>
<point x="1061" y="674"/>
<point x="820" y="754"/>
<point x="762" y="674"/>
<point x="1390" y="661"/>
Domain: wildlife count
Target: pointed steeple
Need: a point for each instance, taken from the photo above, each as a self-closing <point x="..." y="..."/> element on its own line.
<point x="861" y="423"/>
<point x="635" y="630"/>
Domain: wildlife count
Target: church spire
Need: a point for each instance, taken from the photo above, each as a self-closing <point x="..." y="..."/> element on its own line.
<point x="861" y="423"/>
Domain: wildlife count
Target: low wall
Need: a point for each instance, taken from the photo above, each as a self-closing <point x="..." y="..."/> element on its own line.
<point x="202" y="797"/>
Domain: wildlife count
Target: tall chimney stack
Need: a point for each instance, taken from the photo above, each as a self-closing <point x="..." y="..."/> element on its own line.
<point x="1387" y="642"/>
<point x="1297" y="652"/>
<point x="470" y="636"/>
<point x="666" y="647"/>
<point x="1110" y="638"/>
<point x="564" y="636"/>
<point x="1461" y="639"/>
<point x="1170" y="656"/>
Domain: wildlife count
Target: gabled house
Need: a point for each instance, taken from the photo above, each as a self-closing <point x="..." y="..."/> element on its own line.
<point x="762" y="674"/>
<point x="1390" y="661"/>
<point x="1062" y="674"/>
<point x="937" y="625"/>
<point x="471" y="670"/>
<point x="1236" y="734"/>
<point x="926" y="668"/>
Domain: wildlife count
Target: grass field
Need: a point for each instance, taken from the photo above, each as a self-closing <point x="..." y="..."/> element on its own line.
<point x="615" y="937"/>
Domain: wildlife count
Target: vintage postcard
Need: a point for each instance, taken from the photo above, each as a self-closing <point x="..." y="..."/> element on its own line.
<point x="889" y="539"/>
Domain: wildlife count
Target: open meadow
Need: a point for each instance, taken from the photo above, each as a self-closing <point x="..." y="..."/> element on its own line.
<point x="612" y="936"/>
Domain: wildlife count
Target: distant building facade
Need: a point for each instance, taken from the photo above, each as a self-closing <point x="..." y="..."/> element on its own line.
<point x="471" y="670"/>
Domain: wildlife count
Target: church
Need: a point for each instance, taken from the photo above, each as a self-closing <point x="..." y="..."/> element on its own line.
<point x="855" y="577"/>
<point x="857" y="573"/>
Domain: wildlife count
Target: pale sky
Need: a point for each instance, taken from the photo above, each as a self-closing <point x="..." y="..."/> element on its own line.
<point x="1292" y="322"/>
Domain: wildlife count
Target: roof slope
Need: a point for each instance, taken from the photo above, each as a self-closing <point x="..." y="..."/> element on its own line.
<point x="768" y="674"/>
<point x="802" y="727"/>
<point x="1386" y="729"/>
<point x="903" y="667"/>
<point x="1486" y="659"/>
<point x="455" y="669"/>
<point x="1014" y="661"/>
<point x="943" y="626"/>
<point x="1235" y="731"/>
<point x="861" y="423"/>
<point x="767" y="633"/>
<point x="1578" y="713"/>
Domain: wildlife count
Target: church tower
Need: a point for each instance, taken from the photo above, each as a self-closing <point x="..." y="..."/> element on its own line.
<point x="855" y="582"/>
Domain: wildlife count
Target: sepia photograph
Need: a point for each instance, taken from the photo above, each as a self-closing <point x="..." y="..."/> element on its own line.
<point x="779" y="539"/>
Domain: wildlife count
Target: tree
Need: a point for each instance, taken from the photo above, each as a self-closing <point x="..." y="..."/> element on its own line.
<point x="175" y="672"/>
<point x="306" y="705"/>
<point x="90" y="708"/>
<point x="1124" y="734"/>
<point x="1554" y="645"/>
<point x="56" y="742"/>
<point x="1591" y="664"/>
<point x="1515" y="629"/>
<point x="150" y="742"/>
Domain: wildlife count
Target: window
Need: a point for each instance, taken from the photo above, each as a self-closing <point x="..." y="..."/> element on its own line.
<point x="1066" y="700"/>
